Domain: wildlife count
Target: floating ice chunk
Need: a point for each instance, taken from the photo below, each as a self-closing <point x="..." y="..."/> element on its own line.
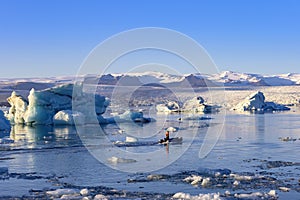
<point x="197" y="105"/>
<point x="284" y="189"/>
<point x="100" y="197"/>
<point x="205" y="182"/>
<point x="169" y="107"/>
<point x="172" y="129"/>
<point x="236" y="183"/>
<point x="242" y="178"/>
<point x="209" y="196"/>
<point x="272" y="193"/>
<point x="4" y="123"/>
<point x="71" y="196"/>
<point x="156" y="177"/>
<point x="130" y="139"/>
<point x="116" y="160"/>
<point x="84" y="192"/>
<point x="68" y="117"/>
<point x="194" y="179"/>
<point x="60" y="192"/>
<point x="129" y="116"/>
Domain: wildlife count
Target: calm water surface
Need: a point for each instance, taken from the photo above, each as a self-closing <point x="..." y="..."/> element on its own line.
<point x="44" y="157"/>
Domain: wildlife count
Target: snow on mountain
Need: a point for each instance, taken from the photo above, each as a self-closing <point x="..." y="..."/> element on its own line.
<point x="226" y="78"/>
<point x="229" y="78"/>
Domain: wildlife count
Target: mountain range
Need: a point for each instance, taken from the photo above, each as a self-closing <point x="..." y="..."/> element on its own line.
<point x="159" y="79"/>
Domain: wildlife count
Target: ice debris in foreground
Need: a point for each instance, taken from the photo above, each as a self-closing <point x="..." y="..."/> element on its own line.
<point x="256" y="102"/>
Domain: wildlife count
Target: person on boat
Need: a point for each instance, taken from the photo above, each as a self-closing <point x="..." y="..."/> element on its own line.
<point x="167" y="137"/>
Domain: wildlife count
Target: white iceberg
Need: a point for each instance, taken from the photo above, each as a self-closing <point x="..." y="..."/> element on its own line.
<point x="256" y="102"/>
<point x="129" y="116"/>
<point x="17" y="109"/>
<point x="4" y="123"/>
<point x="169" y="107"/>
<point x="197" y="105"/>
<point x="66" y="117"/>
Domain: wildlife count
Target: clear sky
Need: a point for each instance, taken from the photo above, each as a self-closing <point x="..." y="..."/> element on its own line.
<point x="52" y="37"/>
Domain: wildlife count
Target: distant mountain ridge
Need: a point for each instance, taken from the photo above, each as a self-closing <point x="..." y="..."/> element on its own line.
<point x="159" y="79"/>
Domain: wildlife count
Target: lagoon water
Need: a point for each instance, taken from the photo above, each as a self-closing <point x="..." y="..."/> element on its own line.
<point x="264" y="146"/>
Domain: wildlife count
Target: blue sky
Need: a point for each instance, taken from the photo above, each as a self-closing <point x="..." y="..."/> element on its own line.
<point x="52" y="37"/>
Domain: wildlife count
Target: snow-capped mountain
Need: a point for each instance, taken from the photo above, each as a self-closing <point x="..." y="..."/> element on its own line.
<point x="159" y="79"/>
<point x="226" y="78"/>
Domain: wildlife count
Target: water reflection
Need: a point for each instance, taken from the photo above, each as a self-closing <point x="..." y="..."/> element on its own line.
<point x="35" y="136"/>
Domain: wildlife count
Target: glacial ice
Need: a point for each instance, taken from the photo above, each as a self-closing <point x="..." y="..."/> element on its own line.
<point x="129" y="116"/>
<point x="66" y="117"/>
<point x="43" y="106"/>
<point x="194" y="105"/>
<point x="169" y="107"/>
<point x="256" y="102"/>
<point x="197" y="105"/>
<point x="4" y="123"/>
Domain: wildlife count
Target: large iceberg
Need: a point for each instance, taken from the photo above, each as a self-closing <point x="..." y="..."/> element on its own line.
<point x="256" y="102"/>
<point x="4" y="123"/>
<point x="45" y="105"/>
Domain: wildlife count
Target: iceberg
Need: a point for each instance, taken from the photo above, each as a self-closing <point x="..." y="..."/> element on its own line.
<point x="169" y="107"/>
<point x="197" y="105"/>
<point x="66" y="117"/>
<point x="256" y="102"/>
<point x="129" y="116"/>
<point x="43" y="107"/>
<point x="4" y="123"/>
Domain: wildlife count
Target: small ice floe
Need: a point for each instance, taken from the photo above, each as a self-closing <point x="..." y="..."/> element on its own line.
<point x="257" y="195"/>
<point x="153" y="177"/>
<point x="60" y="192"/>
<point x="172" y="129"/>
<point x="116" y="160"/>
<point x="236" y="183"/>
<point x="169" y="107"/>
<point x="130" y="139"/>
<point x="205" y="182"/>
<point x="84" y="192"/>
<point x="100" y="197"/>
<point x="209" y="196"/>
<point x="242" y="178"/>
<point x="121" y="131"/>
<point x="284" y="189"/>
<point x="194" y="179"/>
<point x="287" y="139"/>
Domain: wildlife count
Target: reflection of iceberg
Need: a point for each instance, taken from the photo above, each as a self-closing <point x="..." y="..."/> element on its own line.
<point x="31" y="136"/>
